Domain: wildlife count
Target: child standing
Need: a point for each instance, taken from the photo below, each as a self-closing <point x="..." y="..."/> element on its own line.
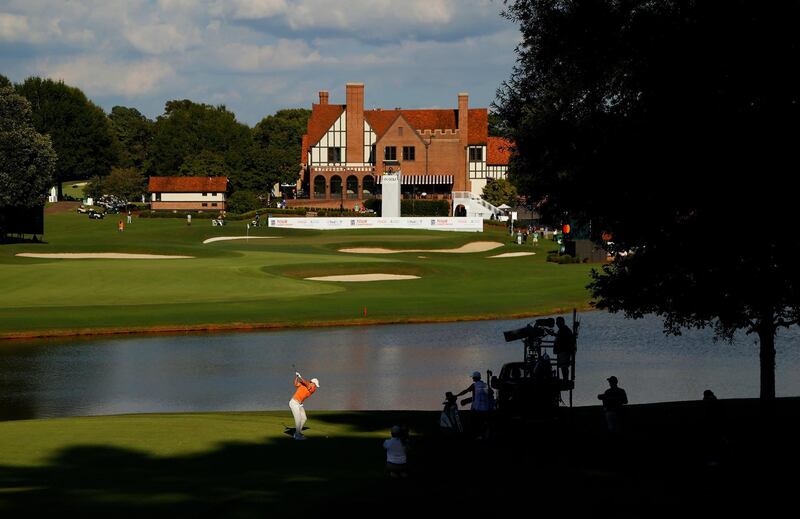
<point x="396" y="453"/>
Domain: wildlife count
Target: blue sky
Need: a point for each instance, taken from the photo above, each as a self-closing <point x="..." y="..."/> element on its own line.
<point x="258" y="56"/>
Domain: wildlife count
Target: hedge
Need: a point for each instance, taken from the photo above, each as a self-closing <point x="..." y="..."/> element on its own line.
<point x="414" y="207"/>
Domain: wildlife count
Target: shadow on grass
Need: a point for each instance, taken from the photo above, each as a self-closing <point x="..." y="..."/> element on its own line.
<point x="567" y="467"/>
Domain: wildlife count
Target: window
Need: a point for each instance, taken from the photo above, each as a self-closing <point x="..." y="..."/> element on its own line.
<point x="213" y="194"/>
<point x="205" y="194"/>
<point x="372" y="154"/>
<point x="390" y="153"/>
<point x="334" y="154"/>
<point x="475" y="154"/>
<point x="205" y="204"/>
<point x="400" y="131"/>
<point x="408" y="152"/>
<point x="213" y="204"/>
<point x="158" y="197"/>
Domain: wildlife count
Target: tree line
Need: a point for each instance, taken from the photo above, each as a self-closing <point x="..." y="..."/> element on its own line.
<point x="118" y="151"/>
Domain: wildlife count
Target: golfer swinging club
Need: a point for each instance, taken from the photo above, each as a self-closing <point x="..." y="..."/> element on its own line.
<point x="304" y="390"/>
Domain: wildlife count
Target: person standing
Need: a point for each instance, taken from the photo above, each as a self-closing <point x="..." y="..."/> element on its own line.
<point x="304" y="390"/>
<point x="120" y="226"/>
<point x="481" y="404"/>
<point x="188" y="219"/>
<point x="129" y="216"/>
<point x="564" y="347"/>
<point x="396" y="458"/>
<point x="614" y="399"/>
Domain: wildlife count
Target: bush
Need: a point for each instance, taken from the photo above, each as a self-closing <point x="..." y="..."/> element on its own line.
<point x="242" y="202"/>
<point x="374" y="204"/>
<point x="424" y="208"/>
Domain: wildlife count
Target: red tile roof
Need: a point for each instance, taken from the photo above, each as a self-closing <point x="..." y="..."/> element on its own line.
<point x="323" y="117"/>
<point x="498" y="151"/>
<point x="187" y="185"/>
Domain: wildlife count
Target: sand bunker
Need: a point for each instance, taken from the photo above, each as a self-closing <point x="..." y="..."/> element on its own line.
<point x="476" y="246"/>
<point x="513" y="254"/>
<point x="364" y="277"/>
<point x="96" y="255"/>
<point x="226" y="238"/>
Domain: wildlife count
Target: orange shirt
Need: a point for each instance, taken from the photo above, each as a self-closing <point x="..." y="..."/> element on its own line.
<point x="304" y="390"/>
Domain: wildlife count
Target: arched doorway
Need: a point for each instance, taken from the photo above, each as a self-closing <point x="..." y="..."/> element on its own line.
<point x="460" y="210"/>
<point x="319" y="186"/>
<point x="352" y="187"/>
<point x="336" y="186"/>
<point x="368" y="186"/>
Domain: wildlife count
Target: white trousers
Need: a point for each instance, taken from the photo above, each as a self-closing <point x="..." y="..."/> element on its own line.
<point x="299" y="413"/>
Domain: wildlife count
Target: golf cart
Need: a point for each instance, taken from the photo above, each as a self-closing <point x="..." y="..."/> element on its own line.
<point x="534" y="385"/>
<point x="96" y="215"/>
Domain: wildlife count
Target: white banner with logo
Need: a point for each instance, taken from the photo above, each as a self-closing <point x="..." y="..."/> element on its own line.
<point x="431" y="223"/>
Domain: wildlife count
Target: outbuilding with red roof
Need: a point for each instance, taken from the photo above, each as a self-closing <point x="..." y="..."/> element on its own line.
<point x="188" y="193"/>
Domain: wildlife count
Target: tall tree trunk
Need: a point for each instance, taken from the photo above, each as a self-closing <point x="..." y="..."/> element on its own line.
<point x="766" y="336"/>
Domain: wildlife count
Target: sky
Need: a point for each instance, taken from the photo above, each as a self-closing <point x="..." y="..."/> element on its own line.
<point x="259" y="56"/>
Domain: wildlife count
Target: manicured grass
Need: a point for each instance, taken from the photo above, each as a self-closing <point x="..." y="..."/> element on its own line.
<point x="244" y="465"/>
<point x="260" y="282"/>
<point x="75" y="192"/>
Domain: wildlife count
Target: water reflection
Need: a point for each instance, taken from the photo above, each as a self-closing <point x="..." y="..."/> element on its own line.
<point x="377" y="367"/>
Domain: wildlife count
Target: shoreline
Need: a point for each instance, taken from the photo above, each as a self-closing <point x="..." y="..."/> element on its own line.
<point x="242" y="327"/>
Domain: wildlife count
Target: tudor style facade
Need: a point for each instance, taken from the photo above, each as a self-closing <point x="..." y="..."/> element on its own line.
<point x="346" y="150"/>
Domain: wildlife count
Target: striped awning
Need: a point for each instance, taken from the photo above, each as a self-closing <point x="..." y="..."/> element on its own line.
<point x="422" y="179"/>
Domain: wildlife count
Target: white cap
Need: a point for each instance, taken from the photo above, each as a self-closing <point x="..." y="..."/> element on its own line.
<point x="315" y="381"/>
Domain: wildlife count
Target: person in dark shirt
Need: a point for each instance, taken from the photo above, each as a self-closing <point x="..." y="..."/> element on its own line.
<point x="564" y="347"/>
<point x="614" y="399"/>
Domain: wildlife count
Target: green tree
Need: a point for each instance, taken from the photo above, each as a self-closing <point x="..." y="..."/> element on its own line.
<point x="80" y="131"/>
<point x="5" y="82"/>
<point x="637" y="116"/>
<point x="205" y="164"/>
<point x="278" y="139"/>
<point x="127" y="184"/>
<point x="500" y="191"/>
<point x="187" y="128"/>
<point x="243" y="201"/>
<point x="134" y="133"/>
<point x="27" y="159"/>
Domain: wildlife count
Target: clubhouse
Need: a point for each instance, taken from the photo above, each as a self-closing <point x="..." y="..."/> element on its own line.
<point x="347" y="149"/>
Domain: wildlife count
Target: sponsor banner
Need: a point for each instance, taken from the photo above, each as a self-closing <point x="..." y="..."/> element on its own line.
<point x="417" y="222"/>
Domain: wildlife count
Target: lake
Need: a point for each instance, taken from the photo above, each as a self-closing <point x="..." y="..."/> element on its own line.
<point x="364" y="368"/>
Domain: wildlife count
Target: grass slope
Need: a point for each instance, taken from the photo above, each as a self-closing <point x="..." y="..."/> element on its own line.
<point x="260" y="282"/>
<point x="244" y="465"/>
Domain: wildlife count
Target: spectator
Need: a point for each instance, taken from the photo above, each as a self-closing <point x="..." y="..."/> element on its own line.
<point x="396" y="458"/>
<point x="614" y="399"/>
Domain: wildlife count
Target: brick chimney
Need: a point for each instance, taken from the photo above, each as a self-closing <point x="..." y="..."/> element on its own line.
<point x="323" y="97"/>
<point x="461" y="181"/>
<point x="355" y="122"/>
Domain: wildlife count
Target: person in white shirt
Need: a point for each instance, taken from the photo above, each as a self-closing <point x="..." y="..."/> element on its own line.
<point x="396" y="453"/>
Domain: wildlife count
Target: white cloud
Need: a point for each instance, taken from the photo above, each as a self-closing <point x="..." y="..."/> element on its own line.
<point x="285" y="55"/>
<point x="249" y="9"/>
<point x="98" y="76"/>
<point x="16" y="28"/>
<point x="162" y="38"/>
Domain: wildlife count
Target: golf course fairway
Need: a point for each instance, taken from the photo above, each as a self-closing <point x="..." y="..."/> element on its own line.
<point x="259" y="283"/>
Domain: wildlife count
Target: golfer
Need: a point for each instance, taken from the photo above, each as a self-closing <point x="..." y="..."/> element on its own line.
<point x="304" y="390"/>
